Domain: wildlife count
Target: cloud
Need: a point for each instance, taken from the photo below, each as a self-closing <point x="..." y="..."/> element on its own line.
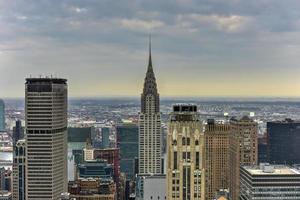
<point x="230" y="24"/>
<point x="141" y="25"/>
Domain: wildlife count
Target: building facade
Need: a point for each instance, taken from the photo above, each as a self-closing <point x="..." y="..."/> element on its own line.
<point x="19" y="173"/>
<point x="216" y="157"/>
<point x="242" y="150"/>
<point x="18" y="132"/>
<point x="151" y="187"/>
<point x="268" y="182"/>
<point x="46" y="137"/>
<point x="185" y="168"/>
<point x="2" y="115"/>
<point x="284" y="142"/>
<point x="127" y="142"/>
<point x="150" y="125"/>
<point x="105" y="132"/>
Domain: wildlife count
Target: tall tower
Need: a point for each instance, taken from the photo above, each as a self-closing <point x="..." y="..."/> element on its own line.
<point x="2" y="115"/>
<point x="216" y="157"/>
<point x="46" y="137"/>
<point x="242" y="151"/>
<point x="19" y="160"/>
<point x="185" y="167"/>
<point x="150" y="125"/>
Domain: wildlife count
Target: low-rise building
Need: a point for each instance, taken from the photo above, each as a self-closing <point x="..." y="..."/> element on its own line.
<point x="268" y="182"/>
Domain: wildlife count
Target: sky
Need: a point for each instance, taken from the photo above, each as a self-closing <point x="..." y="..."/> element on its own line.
<point x="199" y="47"/>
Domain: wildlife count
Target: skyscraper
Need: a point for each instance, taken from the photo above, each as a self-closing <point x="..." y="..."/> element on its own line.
<point x="19" y="173"/>
<point x="150" y="125"/>
<point x="216" y="157"/>
<point x="185" y="172"/>
<point x="284" y="141"/>
<point x="46" y="137"/>
<point x="18" y="132"/>
<point x="242" y="150"/>
<point x="2" y="115"/>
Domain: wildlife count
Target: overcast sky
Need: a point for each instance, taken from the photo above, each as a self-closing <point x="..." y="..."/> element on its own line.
<point x="199" y="47"/>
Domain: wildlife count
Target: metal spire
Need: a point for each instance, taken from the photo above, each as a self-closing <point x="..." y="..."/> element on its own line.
<point x="150" y="69"/>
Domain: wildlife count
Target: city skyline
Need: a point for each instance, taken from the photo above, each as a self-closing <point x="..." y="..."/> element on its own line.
<point x="229" y="49"/>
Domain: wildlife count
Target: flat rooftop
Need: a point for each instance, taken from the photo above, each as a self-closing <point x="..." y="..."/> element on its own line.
<point x="278" y="170"/>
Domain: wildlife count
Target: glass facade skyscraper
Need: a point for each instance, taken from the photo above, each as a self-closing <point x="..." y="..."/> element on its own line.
<point x="284" y="142"/>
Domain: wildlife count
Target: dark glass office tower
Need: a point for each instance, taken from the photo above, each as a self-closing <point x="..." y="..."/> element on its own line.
<point x="284" y="141"/>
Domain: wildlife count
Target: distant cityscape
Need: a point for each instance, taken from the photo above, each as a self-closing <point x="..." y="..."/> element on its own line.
<point x="55" y="147"/>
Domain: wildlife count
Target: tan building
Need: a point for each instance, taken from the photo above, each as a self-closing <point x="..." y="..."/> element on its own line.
<point x="242" y="151"/>
<point x="216" y="157"/>
<point x="185" y="172"/>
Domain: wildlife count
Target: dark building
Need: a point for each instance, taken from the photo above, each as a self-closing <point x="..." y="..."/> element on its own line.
<point x="80" y="134"/>
<point x="105" y="137"/>
<point x="95" y="169"/>
<point x="127" y="142"/>
<point x="263" y="149"/>
<point x="18" y="132"/>
<point x="2" y="115"/>
<point x="284" y="141"/>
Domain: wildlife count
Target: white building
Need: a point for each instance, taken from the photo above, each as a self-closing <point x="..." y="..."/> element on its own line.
<point x="150" y="126"/>
<point x="268" y="182"/>
<point x="151" y="187"/>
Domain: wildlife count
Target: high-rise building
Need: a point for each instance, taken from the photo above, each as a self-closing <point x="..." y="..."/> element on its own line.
<point x="80" y="134"/>
<point x="46" y="137"/>
<point x="216" y="157"/>
<point x="127" y="142"/>
<point x="105" y="137"/>
<point x="242" y="150"/>
<point x="2" y="115"/>
<point x="19" y="173"/>
<point x="185" y="168"/>
<point x="284" y="142"/>
<point x="150" y="125"/>
<point x="263" y="154"/>
<point x="18" y="132"/>
<point x="267" y="182"/>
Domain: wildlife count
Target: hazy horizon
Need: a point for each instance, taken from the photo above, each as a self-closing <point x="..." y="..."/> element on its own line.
<point x="232" y="48"/>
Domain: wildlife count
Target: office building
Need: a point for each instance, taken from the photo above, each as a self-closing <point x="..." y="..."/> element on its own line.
<point x="185" y="168"/>
<point x="150" y="131"/>
<point x="18" y="132"/>
<point x="105" y="132"/>
<point x="216" y="162"/>
<point x="95" y="169"/>
<point x="284" y="142"/>
<point x="2" y="115"/>
<point x="88" y="151"/>
<point x="127" y="142"/>
<point x="263" y="152"/>
<point x="267" y="182"/>
<point x="151" y="187"/>
<point x="242" y="150"/>
<point x="5" y="195"/>
<point x="19" y="173"/>
<point x="46" y="137"/>
<point x="80" y="134"/>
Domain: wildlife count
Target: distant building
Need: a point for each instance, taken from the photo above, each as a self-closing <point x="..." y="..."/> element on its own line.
<point x="216" y="157"/>
<point x="150" y="131"/>
<point x="263" y="154"/>
<point x="267" y="182"/>
<point x="88" y="151"/>
<point x="95" y="169"/>
<point x="46" y="137"/>
<point x="19" y="174"/>
<point x="284" y="142"/>
<point x="92" y="188"/>
<point x="5" y="195"/>
<point x="127" y="142"/>
<point x="242" y="150"/>
<point x="18" y="132"/>
<point x="185" y="168"/>
<point x="105" y="132"/>
<point x="2" y="115"/>
<point x="80" y="134"/>
<point x="151" y="187"/>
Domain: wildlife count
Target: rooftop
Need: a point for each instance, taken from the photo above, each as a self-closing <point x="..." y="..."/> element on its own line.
<point x="267" y="169"/>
